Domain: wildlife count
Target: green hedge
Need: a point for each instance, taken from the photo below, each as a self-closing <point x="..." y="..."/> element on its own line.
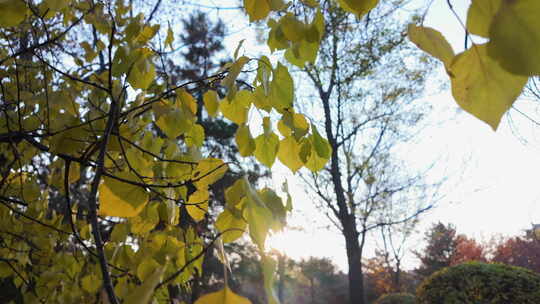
<point x="396" y="298"/>
<point x="480" y="283"/>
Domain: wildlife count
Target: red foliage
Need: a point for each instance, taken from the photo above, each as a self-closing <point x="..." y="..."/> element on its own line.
<point x="467" y="250"/>
<point x="518" y="251"/>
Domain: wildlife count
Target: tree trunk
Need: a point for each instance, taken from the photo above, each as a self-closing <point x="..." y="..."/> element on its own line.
<point x="398" y="276"/>
<point x="354" y="258"/>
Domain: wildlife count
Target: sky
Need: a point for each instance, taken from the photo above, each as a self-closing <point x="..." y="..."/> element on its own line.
<point x="491" y="188"/>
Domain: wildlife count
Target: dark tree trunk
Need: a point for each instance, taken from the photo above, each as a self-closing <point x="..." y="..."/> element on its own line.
<point x="354" y="258"/>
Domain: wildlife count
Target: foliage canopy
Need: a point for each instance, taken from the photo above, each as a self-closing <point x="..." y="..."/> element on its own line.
<point x="103" y="172"/>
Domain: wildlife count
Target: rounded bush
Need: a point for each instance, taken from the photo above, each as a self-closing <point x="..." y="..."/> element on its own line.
<point x="480" y="283"/>
<point x="396" y="298"/>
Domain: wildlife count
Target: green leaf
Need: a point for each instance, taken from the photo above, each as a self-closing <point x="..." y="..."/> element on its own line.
<point x="223" y="296"/>
<point x="515" y="37"/>
<point x="257" y="9"/>
<point x="269" y="268"/>
<point x="170" y="38"/>
<point x="482" y="87"/>
<point x="89" y="283"/>
<point x="12" y="12"/>
<point x="259" y="219"/>
<point x="266" y="148"/>
<point x="282" y="88"/>
<point x="195" y="136"/>
<point x="244" y="141"/>
<point x="231" y="227"/>
<point x="432" y="42"/>
<point x="293" y="29"/>
<point x="142" y="74"/>
<point x="321" y="145"/>
<point x="289" y="154"/>
<point x="480" y="15"/>
<point x="211" y="103"/>
<point x="146" y="268"/>
<point x="235" y="193"/>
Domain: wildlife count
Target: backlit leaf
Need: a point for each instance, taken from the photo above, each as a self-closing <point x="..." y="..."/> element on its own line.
<point x="358" y="7"/>
<point x="197" y="205"/>
<point x="432" y="42"/>
<point x="289" y="154"/>
<point x="482" y="87"/>
<point x="211" y="103"/>
<point x="208" y="171"/>
<point x="244" y="141"/>
<point x="266" y="148"/>
<point x="223" y="296"/>
<point x="143" y="293"/>
<point x="282" y="88"/>
<point x="515" y="37"/>
<point x="480" y="15"/>
<point x="230" y="226"/>
<point x="257" y="9"/>
<point x="117" y="198"/>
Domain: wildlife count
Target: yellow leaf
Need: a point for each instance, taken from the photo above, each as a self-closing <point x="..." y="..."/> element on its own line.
<point x="432" y="42"/>
<point x="208" y="171"/>
<point x="515" y="37"/>
<point x="12" y="12"/>
<point x="224" y="296"/>
<point x="174" y="123"/>
<point x="234" y="111"/>
<point x="195" y="136"/>
<point x="146" y="268"/>
<point x="56" y="5"/>
<point x="74" y="172"/>
<point x="257" y="9"/>
<point x="289" y="154"/>
<point x="480" y="15"/>
<point x="482" y="87"/>
<point x="142" y="74"/>
<point x="358" y="7"/>
<point x="170" y="38"/>
<point x="121" y="199"/>
<point x="197" y="204"/>
<point x="244" y="141"/>
<point x="234" y="70"/>
<point x="211" y="103"/>
<point x="230" y="226"/>
<point x="89" y="283"/>
<point x="142" y="294"/>
<point x="188" y="102"/>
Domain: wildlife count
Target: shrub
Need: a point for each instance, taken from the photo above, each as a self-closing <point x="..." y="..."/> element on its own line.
<point x="479" y="283"/>
<point x="396" y="298"/>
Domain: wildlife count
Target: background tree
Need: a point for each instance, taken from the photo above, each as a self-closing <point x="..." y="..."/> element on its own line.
<point x="441" y="246"/>
<point x="520" y="251"/>
<point x="365" y="108"/>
